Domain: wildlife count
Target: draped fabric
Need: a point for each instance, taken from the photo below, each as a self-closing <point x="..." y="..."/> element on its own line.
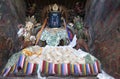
<point x="35" y="59"/>
<point x="49" y="68"/>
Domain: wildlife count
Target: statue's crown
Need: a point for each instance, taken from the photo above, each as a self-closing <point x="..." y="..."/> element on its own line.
<point x="55" y="7"/>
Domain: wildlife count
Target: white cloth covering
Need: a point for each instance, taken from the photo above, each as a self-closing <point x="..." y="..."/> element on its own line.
<point x="104" y="75"/>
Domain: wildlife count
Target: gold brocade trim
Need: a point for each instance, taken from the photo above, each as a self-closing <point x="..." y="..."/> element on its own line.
<point x="29" y="53"/>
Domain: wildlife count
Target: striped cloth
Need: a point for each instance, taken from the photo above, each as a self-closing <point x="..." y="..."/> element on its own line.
<point x="71" y="69"/>
<point x="50" y="68"/>
<point x="6" y="71"/>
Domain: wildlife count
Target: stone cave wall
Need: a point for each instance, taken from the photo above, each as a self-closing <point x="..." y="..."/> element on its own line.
<point x="12" y="13"/>
<point x="103" y="19"/>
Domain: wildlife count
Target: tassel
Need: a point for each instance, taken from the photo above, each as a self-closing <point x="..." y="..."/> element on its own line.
<point x="99" y="67"/>
<point x="76" y="70"/>
<point x="59" y="69"/>
<point x="29" y="68"/>
<point x="6" y="71"/>
<point x="92" y="68"/>
<point x="53" y="67"/>
<point x="47" y="67"/>
<point x="43" y="67"/>
<point x="62" y="69"/>
<point x="21" y="61"/>
<point x="95" y="66"/>
<point x="68" y="66"/>
<point x="2" y="71"/>
<point x="84" y="69"/>
<point x="80" y="69"/>
<point x="25" y="66"/>
<point x="16" y="69"/>
<point x="88" y="71"/>
<point x="13" y="68"/>
<point x="72" y="69"/>
<point x="50" y="68"/>
<point x="66" y="69"/>
<point x="35" y="67"/>
<point x="56" y="69"/>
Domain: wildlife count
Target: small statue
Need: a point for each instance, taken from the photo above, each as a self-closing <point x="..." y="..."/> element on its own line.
<point x="79" y="9"/>
<point x="24" y="34"/>
<point x="31" y="10"/>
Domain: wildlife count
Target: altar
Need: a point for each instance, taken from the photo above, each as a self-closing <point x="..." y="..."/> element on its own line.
<point x="52" y="60"/>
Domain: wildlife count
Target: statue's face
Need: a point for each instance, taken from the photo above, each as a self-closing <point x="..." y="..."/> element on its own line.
<point x="29" y="26"/>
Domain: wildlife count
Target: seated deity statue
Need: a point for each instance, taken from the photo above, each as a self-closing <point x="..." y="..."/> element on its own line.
<point x="54" y="20"/>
